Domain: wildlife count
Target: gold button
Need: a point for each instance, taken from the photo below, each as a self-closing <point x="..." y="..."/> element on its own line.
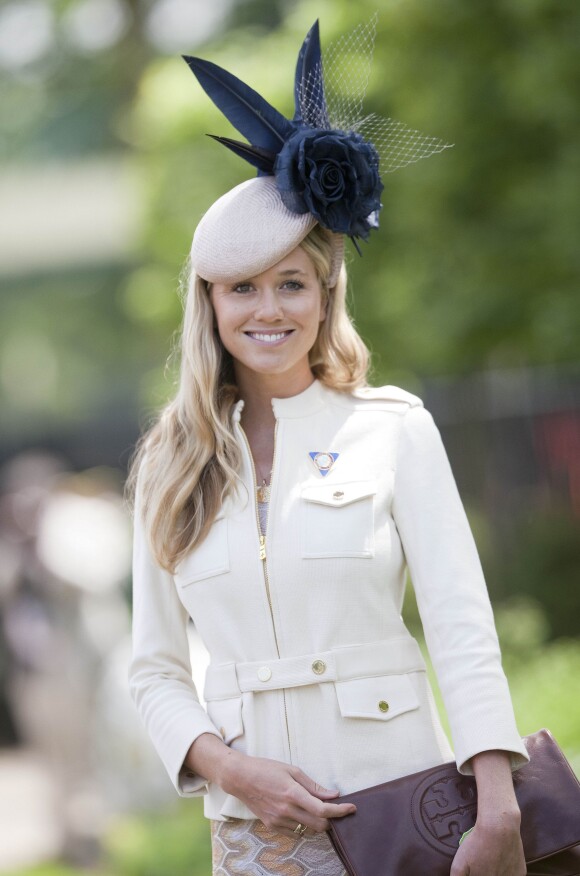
<point x="264" y="673"/>
<point x="319" y="666"/>
<point x="338" y="495"/>
<point x="383" y="706"/>
<point x="223" y="732"/>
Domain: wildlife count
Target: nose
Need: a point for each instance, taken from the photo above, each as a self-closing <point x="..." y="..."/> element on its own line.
<point x="269" y="307"/>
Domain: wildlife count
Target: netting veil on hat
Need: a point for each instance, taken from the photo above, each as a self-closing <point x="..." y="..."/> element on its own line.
<point x="324" y="165"/>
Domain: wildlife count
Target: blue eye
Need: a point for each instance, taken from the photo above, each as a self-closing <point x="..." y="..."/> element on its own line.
<point x="295" y="285"/>
<point x="241" y="287"/>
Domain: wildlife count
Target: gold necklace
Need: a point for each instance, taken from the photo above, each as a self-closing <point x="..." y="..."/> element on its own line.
<point x="263" y="490"/>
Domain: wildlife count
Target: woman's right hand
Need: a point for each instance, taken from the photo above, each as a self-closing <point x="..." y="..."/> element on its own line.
<point x="280" y="794"/>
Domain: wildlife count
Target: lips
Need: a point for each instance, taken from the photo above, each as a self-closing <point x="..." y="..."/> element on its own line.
<point x="269" y="337"/>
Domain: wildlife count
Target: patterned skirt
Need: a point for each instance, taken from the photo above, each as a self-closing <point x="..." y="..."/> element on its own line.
<point x="242" y="847"/>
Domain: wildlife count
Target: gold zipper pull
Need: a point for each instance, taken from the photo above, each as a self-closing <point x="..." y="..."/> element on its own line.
<point x="262" y="547"/>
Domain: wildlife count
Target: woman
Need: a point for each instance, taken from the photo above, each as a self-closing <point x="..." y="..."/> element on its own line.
<point x="278" y="502"/>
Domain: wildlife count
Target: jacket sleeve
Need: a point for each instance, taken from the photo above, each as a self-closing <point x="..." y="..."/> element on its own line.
<point x="452" y="595"/>
<point x="160" y="671"/>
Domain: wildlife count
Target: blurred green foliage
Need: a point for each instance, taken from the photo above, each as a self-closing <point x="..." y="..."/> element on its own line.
<point x="170" y="843"/>
<point x="544" y="563"/>
<point x="175" y="843"/>
<point x="476" y="261"/>
<point x="50" y="869"/>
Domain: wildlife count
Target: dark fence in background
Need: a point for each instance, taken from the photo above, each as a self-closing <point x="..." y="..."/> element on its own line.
<point x="513" y="437"/>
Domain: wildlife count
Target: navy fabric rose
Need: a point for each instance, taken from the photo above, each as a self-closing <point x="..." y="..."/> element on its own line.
<point x="334" y="175"/>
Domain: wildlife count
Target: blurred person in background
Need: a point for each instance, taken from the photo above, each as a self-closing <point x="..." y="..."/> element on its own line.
<point x="278" y="502"/>
<point x="65" y="548"/>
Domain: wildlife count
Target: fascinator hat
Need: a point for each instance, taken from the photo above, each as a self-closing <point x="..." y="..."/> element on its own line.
<point x="322" y="166"/>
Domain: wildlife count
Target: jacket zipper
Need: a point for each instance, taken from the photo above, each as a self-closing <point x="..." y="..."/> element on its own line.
<point x="263" y="558"/>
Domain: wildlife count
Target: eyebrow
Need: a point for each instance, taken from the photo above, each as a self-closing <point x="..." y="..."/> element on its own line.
<point x="291" y="271"/>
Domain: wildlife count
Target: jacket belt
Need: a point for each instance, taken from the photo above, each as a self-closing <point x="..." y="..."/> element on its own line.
<point x="388" y="657"/>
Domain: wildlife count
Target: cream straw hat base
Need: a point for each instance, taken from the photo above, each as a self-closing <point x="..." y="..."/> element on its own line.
<point x="248" y="230"/>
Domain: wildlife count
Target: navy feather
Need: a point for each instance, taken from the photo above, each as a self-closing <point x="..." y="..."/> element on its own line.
<point x="356" y="246"/>
<point x="309" y="81"/>
<point x="263" y="159"/>
<point x="253" y="116"/>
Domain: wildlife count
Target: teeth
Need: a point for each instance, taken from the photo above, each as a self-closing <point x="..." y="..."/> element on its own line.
<point x="270" y="338"/>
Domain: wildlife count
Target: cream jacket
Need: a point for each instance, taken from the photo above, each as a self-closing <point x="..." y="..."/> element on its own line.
<point x="311" y="662"/>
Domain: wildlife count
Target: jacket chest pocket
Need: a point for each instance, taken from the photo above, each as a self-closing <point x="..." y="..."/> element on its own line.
<point x="210" y="558"/>
<point x="338" y="519"/>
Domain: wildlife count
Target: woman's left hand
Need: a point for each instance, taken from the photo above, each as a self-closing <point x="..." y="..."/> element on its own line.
<point x="492" y="849"/>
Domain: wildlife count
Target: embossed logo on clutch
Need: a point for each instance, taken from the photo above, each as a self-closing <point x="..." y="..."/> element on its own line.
<point x="444" y="806"/>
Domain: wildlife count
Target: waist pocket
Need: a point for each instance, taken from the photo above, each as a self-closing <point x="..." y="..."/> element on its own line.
<point x="227" y="717"/>
<point x="210" y="558"/>
<point x="338" y="519"/>
<point x="381" y="697"/>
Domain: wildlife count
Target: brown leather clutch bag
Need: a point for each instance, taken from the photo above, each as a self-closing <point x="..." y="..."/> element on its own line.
<point x="412" y="825"/>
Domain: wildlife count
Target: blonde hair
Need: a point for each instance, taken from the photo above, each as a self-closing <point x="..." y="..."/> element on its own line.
<point x="186" y="464"/>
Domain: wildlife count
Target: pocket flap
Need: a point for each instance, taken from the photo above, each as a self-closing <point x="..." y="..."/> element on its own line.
<point x="382" y="697"/>
<point x="338" y="495"/>
<point x="227" y="717"/>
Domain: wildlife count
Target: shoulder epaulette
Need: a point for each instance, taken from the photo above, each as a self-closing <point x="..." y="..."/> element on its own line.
<point x="387" y="393"/>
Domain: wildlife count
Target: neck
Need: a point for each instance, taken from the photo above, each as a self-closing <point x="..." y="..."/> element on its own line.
<point x="258" y="390"/>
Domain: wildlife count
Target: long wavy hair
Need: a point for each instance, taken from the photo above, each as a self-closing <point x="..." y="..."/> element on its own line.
<point x="186" y="464"/>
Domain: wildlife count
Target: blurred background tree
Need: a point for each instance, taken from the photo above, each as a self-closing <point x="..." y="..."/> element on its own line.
<point x="476" y="261"/>
<point x="468" y="293"/>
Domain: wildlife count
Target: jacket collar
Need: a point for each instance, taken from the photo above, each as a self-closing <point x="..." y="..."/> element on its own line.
<point x="304" y="404"/>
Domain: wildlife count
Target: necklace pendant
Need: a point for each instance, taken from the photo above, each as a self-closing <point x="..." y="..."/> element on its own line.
<point x="263" y="492"/>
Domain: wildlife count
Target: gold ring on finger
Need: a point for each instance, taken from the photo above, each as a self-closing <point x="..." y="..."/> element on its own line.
<point x="301" y="829"/>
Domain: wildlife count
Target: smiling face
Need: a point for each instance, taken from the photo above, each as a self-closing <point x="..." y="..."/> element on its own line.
<point x="269" y="323"/>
